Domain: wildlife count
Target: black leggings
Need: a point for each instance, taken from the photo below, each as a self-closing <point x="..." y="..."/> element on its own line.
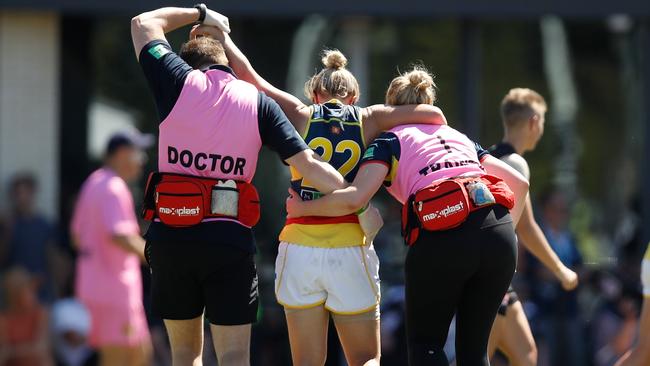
<point x="463" y="271"/>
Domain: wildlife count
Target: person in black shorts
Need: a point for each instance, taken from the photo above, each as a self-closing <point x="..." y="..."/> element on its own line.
<point x="212" y="126"/>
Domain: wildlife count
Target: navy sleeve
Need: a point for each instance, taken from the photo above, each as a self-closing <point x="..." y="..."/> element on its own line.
<point x="384" y="149"/>
<point x="480" y="151"/>
<point x="166" y="73"/>
<point x="275" y="129"/>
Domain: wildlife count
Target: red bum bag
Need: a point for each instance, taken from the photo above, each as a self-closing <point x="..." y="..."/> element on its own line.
<point x="446" y="204"/>
<point x="182" y="200"/>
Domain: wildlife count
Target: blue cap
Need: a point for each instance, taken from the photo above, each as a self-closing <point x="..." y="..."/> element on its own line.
<point x="136" y="140"/>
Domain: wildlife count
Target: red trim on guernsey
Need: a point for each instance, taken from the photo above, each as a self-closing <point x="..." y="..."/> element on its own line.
<point x="323" y="220"/>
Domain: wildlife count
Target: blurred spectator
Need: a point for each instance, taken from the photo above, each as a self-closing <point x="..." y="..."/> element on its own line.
<point x="393" y="326"/>
<point x="616" y="324"/>
<point x="162" y="353"/>
<point x="389" y="242"/>
<point x="106" y="232"/>
<point x="559" y="324"/>
<point x="70" y="330"/>
<point x="31" y="240"/>
<point x="4" y="245"/>
<point x="23" y="323"/>
<point x="270" y="341"/>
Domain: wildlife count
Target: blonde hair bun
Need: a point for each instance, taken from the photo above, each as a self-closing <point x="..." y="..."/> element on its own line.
<point x="420" y="79"/>
<point x="412" y="87"/>
<point x="334" y="80"/>
<point x="334" y="59"/>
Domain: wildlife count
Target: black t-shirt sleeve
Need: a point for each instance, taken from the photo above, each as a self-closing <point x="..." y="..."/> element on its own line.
<point x="480" y="151"/>
<point x="166" y="73"/>
<point x="275" y="129"/>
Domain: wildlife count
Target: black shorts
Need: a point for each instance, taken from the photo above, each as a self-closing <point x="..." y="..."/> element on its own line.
<point x="188" y="277"/>
<point x="510" y="298"/>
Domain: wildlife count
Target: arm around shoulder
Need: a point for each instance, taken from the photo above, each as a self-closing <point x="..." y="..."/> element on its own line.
<point x="383" y="117"/>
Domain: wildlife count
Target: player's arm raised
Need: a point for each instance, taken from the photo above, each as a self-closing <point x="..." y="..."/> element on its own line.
<point x="297" y="112"/>
<point x="153" y="25"/>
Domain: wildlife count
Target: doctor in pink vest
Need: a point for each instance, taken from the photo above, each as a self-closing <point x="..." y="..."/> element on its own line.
<point x="212" y="125"/>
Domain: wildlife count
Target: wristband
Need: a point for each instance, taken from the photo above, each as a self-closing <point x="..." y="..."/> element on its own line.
<point x="202" y="11"/>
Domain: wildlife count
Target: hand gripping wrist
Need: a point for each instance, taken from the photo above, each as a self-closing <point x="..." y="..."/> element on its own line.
<point x="218" y="20"/>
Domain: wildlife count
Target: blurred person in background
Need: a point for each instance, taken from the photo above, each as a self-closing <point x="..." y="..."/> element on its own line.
<point x="31" y="239"/>
<point x="640" y="354"/>
<point x="271" y="338"/>
<point x="24" y="336"/>
<point x="4" y="242"/>
<point x="70" y="328"/>
<point x="393" y="325"/>
<point x="615" y="328"/>
<point x="522" y="113"/>
<point x="107" y="236"/>
<point x="605" y="317"/>
<point x="559" y="321"/>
